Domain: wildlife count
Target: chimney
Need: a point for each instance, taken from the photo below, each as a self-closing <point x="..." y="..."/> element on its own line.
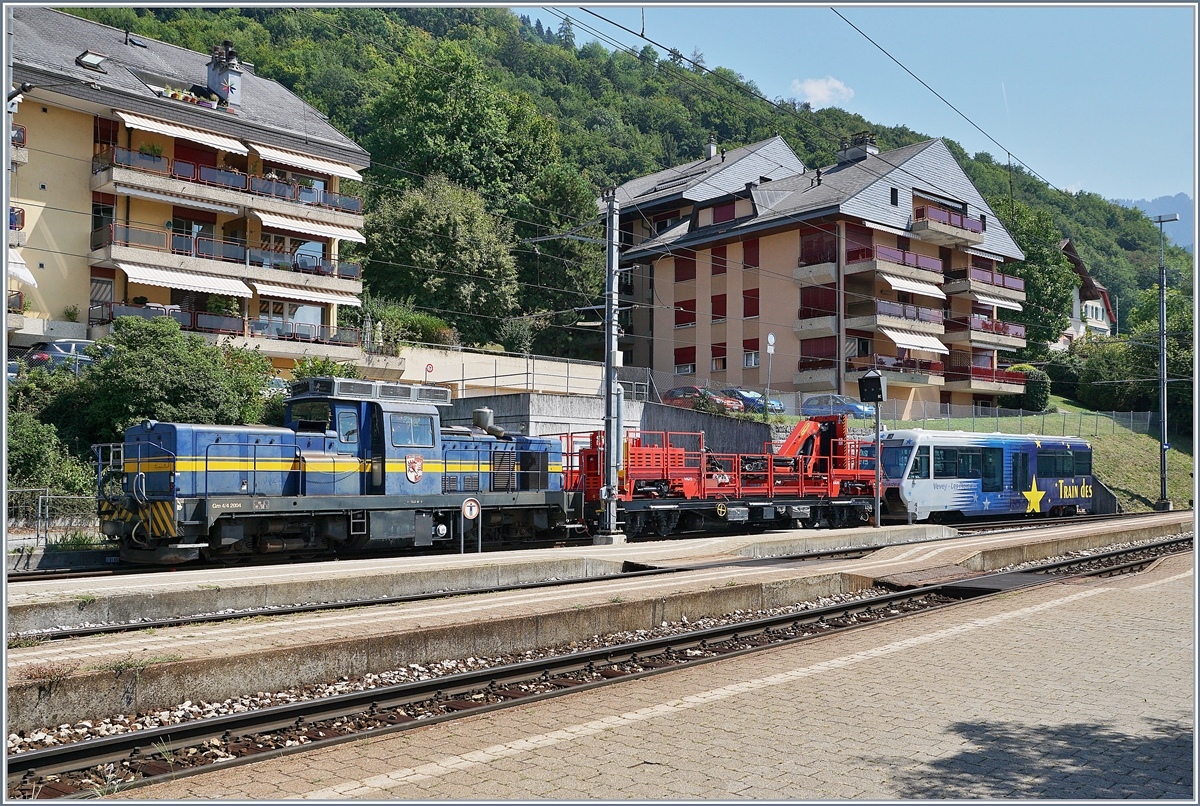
<point x="225" y="74"/>
<point x="859" y="147"/>
<point x="710" y="150"/>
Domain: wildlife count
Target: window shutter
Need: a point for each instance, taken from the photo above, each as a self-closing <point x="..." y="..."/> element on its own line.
<point x="718" y="306"/>
<point x="685" y="355"/>
<point x="750" y="345"/>
<point x="685" y="312"/>
<point x="750" y="302"/>
<point x="750" y="254"/>
<point x="719" y="259"/>
<point x="722" y="213"/>
<point x="719" y="350"/>
<point x="685" y="265"/>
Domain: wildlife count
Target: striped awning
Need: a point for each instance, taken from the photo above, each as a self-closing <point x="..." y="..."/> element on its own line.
<point x="293" y="292"/>
<point x="17" y="268"/>
<point x="292" y="224"/>
<point x="981" y="253"/>
<point x="913" y="286"/>
<point x="315" y="164"/>
<point x="210" y="139"/>
<point x="171" y="198"/>
<point x="903" y="233"/>
<point x="184" y="280"/>
<point x="914" y="341"/>
<point x="999" y="303"/>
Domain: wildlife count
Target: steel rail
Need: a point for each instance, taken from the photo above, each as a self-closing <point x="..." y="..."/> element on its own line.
<point x="111" y="749"/>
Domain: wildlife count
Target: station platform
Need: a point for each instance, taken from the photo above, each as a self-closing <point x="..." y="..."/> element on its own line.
<point x="214" y="661"/>
<point x="1073" y="690"/>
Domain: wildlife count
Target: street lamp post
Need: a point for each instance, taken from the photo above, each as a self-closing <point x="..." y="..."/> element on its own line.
<point x="1164" y="503"/>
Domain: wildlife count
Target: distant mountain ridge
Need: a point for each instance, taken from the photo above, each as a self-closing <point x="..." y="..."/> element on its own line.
<point x="1177" y="233"/>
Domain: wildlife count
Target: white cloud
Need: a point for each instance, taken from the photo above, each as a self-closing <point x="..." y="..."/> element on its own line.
<point x="822" y="92"/>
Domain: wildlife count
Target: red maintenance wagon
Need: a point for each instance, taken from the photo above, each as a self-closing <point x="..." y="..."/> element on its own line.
<point x="672" y="482"/>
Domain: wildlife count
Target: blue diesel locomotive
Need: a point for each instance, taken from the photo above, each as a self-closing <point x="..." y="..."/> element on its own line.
<point x="359" y="465"/>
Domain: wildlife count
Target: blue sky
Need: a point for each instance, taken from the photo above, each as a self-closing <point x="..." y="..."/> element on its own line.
<point x="1092" y="98"/>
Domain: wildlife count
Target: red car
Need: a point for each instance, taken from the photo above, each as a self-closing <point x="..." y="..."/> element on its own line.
<point x="685" y="397"/>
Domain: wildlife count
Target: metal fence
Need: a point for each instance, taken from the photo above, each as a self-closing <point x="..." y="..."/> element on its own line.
<point x="947" y="417"/>
<point x="37" y="518"/>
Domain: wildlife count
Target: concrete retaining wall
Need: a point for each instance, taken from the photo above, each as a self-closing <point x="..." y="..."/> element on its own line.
<point x="827" y="540"/>
<point x="98" y="694"/>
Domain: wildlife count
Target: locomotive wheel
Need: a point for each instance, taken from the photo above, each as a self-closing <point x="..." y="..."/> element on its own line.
<point x="665" y="522"/>
<point x="634" y="523"/>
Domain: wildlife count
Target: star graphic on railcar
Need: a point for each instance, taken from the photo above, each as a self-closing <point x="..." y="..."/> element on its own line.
<point x="1034" y="496"/>
<point x="1037" y="442"/>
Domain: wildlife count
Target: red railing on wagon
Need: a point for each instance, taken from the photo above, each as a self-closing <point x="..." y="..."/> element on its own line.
<point x="223" y="177"/>
<point x="673" y="465"/>
<point x="946" y="217"/>
<point x="892" y="255"/>
<point x="203" y="246"/>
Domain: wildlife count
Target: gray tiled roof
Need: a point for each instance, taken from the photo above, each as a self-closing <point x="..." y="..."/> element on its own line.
<point x="46" y="42"/>
<point x="860" y="189"/>
<point x="705" y="179"/>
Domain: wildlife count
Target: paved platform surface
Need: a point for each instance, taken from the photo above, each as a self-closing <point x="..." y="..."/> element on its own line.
<point x="1071" y="690"/>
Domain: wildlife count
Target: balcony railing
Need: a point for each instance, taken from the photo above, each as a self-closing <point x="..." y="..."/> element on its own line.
<point x="204" y="246"/>
<point x="890" y="363"/>
<point x="985" y="325"/>
<point x="229" y="179"/>
<point x="809" y="363"/>
<point x="899" y="310"/>
<point x="991" y="277"/>
<point x="16" y="218"/>
<point x="204" y="322"/>
<point x="16" y="302"/>
<point x="893" y="255"/>
<point x="987" y="374"/>
<point x="945" y="217"/>
<point x="18" y="135"/>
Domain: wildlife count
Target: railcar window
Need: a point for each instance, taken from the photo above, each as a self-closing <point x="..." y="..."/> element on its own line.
<point x="412" y="431"/>
<point x="970" y="463"/>
<point x="347" y="426"/>
<point x="920" y="464"/>
<point x="895" y="459"/>
<point x="945" y="463"/>
<point x="315" y="414"/>
<point x="993" y="470"/>
<point x="1055" y="463"/>
<point x="1083" y="463"/>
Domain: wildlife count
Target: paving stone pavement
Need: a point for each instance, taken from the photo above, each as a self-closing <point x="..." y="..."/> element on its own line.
<point x="1078" y="690"/>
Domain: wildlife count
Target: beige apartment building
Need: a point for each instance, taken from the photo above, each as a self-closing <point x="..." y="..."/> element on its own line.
<point x="151" y="180"/>
<point x="890" y="261"/>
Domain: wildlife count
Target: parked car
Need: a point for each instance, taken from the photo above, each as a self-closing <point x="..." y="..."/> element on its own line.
<point x="14" y="369"/>
<point x="753" y="401"/>
<point x="827" y="405"/>
<point x="53" y="354"/>
<point x="685" y="397"/>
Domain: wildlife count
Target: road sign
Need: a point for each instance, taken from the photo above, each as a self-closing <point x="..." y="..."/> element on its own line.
<point x="470" y="509"/>
<point x="428" y="368"/>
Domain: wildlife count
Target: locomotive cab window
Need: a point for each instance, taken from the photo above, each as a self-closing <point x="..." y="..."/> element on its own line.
<point x="347" y="427"/>
<point x="1083" y="463"/>
<point x="412" y="431"/>
<point x="1055" y="463"/>
<point x="311" y="415"/>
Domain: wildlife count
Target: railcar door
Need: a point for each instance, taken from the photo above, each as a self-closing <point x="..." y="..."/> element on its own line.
<point x="1021" y="481"/>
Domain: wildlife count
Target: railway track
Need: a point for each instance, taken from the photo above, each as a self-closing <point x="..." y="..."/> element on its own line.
<point x="110" y="764"/>
<point x="631" y="571"/>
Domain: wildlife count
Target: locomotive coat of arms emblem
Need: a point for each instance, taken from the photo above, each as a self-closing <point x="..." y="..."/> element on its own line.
<point x="414" y="467"/>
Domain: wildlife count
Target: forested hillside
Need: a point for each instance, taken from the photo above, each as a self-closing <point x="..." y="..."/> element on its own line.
<point x="527" y="125"/>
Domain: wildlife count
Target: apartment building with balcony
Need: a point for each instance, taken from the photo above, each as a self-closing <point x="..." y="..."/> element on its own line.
<point x="1091" y="309"/>
<point x="889" y="261"/>
<point x="150" y="180"/>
